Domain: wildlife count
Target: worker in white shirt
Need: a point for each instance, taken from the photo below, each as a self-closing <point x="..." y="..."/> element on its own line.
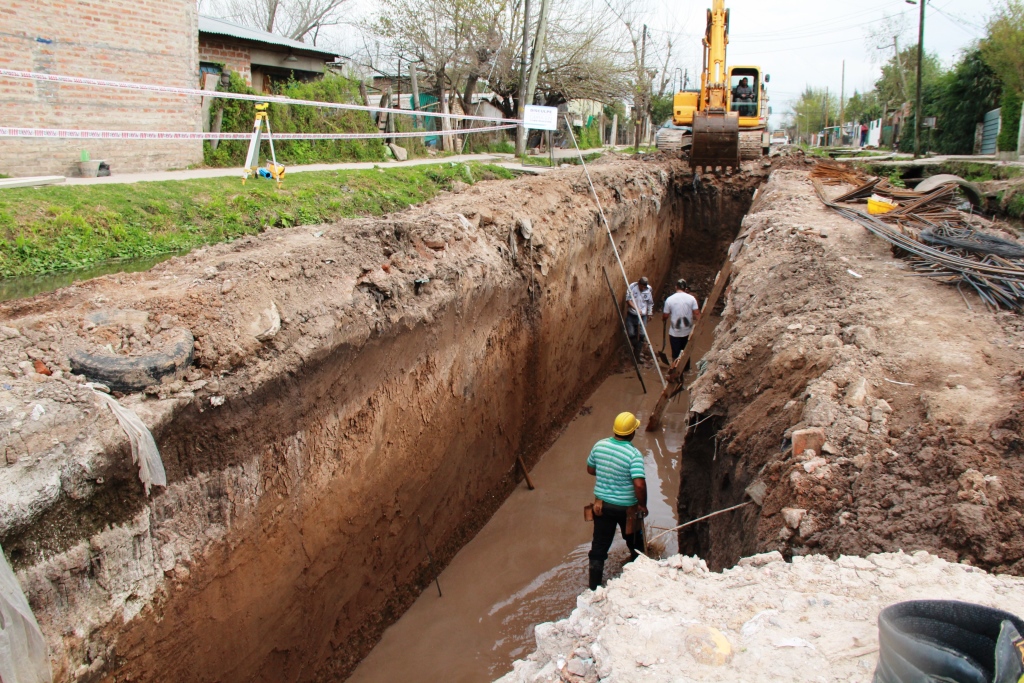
<point x="683" y="311"/>
<point x="640" y="307"/>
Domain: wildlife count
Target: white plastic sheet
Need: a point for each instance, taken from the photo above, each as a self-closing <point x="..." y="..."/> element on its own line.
<point x="23" y="657"/>
<point x="144" y="451"/>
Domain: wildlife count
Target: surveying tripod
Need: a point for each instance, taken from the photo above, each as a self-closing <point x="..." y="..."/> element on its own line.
<point x="252" y="159"/>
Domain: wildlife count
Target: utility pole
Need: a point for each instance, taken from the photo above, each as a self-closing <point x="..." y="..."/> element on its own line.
<point x="638" y="104"/>
<point x="521" y="131"/>
<point x="920" y="68"/>
<point x="826" y="109"/>
<point x="842" y="100"/>
<point x="538" y="50"/>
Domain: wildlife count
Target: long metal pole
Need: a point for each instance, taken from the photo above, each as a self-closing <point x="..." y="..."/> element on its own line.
<point x="523" y="77"/>
<point x="920" y="68"/>
<point x="611" y="239"/>
<point x="625" y="331"/>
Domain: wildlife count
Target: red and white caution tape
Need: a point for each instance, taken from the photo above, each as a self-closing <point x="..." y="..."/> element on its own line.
<point x="98" y="83"/>
<point x="55" y="133"/>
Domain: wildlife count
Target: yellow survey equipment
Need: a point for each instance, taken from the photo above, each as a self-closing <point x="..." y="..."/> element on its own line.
<point x="729" y="114"/>
<point x="252" y="158"/>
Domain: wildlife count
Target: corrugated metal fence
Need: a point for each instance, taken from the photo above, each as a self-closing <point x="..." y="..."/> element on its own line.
<point x="990" y="132"/>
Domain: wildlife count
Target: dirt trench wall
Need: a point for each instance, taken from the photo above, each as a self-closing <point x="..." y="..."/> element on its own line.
<point x="289" y="535"/>
<point x="919" y="398"/>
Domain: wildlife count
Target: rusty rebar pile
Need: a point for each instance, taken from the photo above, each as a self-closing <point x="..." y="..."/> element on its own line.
<point x="930" y="232"/>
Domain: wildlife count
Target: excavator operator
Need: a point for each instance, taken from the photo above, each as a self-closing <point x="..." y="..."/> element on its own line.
<point x="743" y="98"/>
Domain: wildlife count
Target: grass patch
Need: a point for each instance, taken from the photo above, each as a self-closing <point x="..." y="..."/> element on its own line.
<point x="979" y="173"/>
<point x="1013" y="205"/>
<point x="59" y="228"/>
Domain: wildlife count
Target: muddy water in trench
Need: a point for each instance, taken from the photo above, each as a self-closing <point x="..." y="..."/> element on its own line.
<point x="528" y="564"/>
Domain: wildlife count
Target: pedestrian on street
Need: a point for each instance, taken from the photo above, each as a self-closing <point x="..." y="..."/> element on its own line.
<point x="640" y="305"/>
<point x="620" y="494"/>
<point x="683" y="310"/>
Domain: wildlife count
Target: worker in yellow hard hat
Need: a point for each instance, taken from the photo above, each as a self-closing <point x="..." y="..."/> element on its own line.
<point x="620" y="494"/>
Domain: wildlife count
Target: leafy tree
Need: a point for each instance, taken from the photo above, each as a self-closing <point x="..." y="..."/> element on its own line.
<point x="661" y="108"/>
<point x="1003" y="48"/>
<point x="890" y="87"/>
<point x="863" y="107"/>
<point x="959" y="100"/>
<point x="810" y="111"/>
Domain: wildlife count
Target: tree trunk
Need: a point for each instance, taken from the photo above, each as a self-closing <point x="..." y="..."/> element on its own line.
<point x="362" y="94"/>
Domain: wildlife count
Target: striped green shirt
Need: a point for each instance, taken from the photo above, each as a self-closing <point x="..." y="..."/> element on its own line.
<point x="617" y="463"/>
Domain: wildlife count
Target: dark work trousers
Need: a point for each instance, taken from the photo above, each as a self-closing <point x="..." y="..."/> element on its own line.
<point x="604" y="533"/>
<point x="636" y="335"/>
<point x="678" y="344"/>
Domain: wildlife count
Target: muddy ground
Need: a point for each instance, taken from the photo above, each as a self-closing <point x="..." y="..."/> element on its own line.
<point x="917" y="386"/>
<point x="355" y="390"/>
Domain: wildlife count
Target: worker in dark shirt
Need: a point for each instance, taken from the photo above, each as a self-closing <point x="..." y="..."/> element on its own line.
<point x="743" y="98"/>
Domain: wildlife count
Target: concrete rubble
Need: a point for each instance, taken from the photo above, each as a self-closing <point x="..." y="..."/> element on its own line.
<point x="814" y="619"/>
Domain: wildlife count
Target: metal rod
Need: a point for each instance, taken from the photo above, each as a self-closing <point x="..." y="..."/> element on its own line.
<point x="701" y="519"/>
<point x="622" y="321"/>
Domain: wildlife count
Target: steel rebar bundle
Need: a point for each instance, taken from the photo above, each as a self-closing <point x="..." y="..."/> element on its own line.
<point x="998" y="281"/>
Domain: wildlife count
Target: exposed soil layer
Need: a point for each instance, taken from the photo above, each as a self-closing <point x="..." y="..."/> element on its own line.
<point x="350" y="382"/>
<point x="766" y="620"/>
<point x="917" y="386"/>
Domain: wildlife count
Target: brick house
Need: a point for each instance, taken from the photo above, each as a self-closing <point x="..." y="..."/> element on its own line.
<point x="260" y="57"/>
<point x="163" y="42"/>
<point x="144" y="41"/>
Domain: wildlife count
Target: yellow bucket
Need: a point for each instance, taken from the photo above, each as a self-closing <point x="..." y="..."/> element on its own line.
<point x="878" y="206"/>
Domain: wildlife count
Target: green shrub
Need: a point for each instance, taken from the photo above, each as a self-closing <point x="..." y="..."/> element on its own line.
<point x="239" y="115"/>
<point x="1009" y="111"/>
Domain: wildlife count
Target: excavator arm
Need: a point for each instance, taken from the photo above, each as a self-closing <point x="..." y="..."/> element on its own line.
<point x="716" y="131"/>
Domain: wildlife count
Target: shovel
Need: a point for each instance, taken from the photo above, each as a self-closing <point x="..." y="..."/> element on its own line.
<point x="664" y="335"/>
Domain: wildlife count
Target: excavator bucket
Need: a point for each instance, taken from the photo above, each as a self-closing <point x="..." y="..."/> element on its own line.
<point x="716" y="140"/>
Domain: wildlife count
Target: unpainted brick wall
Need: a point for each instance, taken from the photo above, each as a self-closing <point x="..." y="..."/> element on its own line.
<point x="233" y="55"/>
<point x="141" y="41"/>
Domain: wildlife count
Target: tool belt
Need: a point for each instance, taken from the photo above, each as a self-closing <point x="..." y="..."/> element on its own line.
<point x="596" y="509"/>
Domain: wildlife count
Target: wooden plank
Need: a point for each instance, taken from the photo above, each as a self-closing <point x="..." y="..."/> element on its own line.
<point x="675" y="373"/>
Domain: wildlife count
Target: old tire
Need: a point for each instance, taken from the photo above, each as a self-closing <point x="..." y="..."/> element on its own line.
<point x="134" y="373"/>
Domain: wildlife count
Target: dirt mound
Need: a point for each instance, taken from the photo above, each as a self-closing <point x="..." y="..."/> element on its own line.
<point x="916" y="386"/>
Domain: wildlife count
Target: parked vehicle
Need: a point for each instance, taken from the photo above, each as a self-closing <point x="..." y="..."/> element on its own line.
<point x="779" y="137"/>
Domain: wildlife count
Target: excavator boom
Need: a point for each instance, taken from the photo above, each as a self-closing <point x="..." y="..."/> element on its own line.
<point x="716" y="130"/>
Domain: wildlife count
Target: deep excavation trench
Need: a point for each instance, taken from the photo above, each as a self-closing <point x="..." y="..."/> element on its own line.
<point x="329" y="481"/>
<point x="527" y="565"/>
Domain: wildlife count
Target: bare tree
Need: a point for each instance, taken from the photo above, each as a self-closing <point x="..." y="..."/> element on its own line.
<point x="295" y="19"/>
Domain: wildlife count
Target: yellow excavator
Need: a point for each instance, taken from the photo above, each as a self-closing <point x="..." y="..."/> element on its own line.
<point x="728" y="116"/>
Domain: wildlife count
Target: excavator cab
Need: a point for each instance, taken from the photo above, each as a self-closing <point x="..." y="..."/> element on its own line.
<point x="746" y="95"/>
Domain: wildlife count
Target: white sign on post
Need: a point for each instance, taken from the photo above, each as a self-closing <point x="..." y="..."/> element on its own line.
<point x="540" y="118"/>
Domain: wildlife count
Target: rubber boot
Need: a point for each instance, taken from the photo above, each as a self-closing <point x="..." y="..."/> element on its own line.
<point x="596" y="574"/>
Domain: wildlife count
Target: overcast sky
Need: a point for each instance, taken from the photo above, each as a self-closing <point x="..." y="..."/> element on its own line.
<point x="798" y="42"/>
<point x="804" y="42"/>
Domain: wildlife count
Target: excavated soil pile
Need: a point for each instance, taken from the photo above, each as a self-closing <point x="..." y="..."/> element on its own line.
<point x="354" y="394"/>
<point x="673" y="621"/>
<point x="915" y="387"/>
